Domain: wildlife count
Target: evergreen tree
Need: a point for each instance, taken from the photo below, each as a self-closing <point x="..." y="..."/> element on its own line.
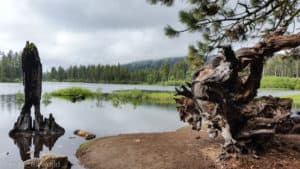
<point x="221" y="22"/>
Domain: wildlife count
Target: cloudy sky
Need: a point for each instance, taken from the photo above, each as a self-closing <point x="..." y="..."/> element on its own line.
<point x="69" y="32"/>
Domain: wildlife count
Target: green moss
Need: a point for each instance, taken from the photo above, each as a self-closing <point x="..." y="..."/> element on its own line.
<point x="83" y="147"/>
<point x="30" y="46"/>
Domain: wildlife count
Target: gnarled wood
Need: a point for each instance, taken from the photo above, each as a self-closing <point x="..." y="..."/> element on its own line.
<point x="228" y="104"/>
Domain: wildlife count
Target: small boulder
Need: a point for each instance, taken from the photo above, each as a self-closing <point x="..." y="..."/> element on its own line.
<point x="87" y="135"/>
<point x="48" y="161"/>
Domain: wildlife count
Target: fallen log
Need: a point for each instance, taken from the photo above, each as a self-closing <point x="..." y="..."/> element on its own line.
<point x="228" y="104"/>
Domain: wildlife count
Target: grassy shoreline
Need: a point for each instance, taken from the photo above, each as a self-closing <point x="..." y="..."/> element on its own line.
<point x="134" y="96"/>
<point x="270" y="82"/>
<point x="276" y="82"/>
<point x="267" y="82"/>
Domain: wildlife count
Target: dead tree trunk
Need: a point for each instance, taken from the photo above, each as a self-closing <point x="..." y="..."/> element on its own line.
<point x="227" y="102"/>
<point x="32" y="81"/>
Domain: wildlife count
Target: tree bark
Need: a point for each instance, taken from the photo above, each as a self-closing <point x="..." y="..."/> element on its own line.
<point x="32" y="81"/>
<point x="227" y="102"/>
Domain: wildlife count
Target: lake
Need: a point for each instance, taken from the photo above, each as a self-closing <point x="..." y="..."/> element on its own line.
<point x="100" y="117"/>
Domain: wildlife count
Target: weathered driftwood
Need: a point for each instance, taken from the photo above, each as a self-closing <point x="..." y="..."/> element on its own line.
<point x="32" y="80"/>
<point x="223" y="99"/>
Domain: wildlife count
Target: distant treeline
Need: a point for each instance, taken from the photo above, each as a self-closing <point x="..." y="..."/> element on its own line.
<point x="119" y="73"/>
<point x="284" y="65"/>
<point x="169" y="71"/>
<point x="10" y="67"/>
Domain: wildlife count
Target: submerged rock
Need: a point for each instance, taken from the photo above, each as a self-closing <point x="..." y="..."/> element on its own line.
<point x="48" y="161"/>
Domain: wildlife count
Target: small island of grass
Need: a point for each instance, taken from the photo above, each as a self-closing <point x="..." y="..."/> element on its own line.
<point x="73" y="91"/>
<point x="142" y="96"/>
<point x="134" y="96"/>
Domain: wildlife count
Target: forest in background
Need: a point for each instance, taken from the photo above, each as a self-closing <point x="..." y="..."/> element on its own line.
<point x="169" y="71"/>
<point x="10" y="67"/>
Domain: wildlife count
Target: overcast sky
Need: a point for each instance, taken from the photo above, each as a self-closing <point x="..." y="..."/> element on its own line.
<point x="69" y="32"/>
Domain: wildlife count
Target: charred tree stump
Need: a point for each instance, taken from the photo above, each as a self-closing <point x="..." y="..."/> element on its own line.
<point x="224" y="100"/>
<point x="32" y="81"/>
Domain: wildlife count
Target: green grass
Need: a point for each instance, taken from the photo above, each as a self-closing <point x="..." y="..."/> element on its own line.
<point x="173" y="82"/>
<point x="134" y="96"/>
<point x="142" y="96"/>
<point x="74" y="91"/>
<point x="280" y="82"/>
<point x="20" y="98"/>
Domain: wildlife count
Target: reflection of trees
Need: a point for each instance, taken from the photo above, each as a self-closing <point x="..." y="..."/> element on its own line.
<point x="13" y="101"/>
<point x="119" y="101"/>
<point x="2" y="102"/>
<point x="25" y="140"/>
<point x="9" y="102"/>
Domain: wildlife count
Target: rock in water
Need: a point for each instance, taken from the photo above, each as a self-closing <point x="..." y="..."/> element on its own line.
<point x="48" y="161"/>
<point x="87" y="135"/>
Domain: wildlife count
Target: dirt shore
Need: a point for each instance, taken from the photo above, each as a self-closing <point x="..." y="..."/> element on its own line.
<point x="182" y="149"/>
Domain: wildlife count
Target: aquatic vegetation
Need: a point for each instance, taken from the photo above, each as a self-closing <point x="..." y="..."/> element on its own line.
<point x="46" y="99"/>
<point x="118" y="97"/>
<point x="73" y="92"/>
<point x="136" y="96"/>
<point x="20" y="98"/>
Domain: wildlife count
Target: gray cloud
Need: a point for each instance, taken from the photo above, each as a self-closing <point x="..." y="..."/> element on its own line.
<point x="114" y="14"/>
<point x="91" y="32"/>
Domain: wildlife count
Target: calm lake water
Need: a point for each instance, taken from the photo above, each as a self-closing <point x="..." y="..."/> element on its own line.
<point x="100" y="117"/>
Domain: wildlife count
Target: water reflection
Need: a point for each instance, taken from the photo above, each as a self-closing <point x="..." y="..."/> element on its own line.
<point x="25" y="141"/>
<point x="99" y="116"/>
<point x="9" y="102"/>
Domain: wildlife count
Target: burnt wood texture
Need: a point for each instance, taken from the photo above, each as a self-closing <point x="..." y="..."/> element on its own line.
<point x="32" y="81"/>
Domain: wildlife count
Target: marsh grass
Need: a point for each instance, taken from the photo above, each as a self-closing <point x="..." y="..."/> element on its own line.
<point x="136" y="96"/>
<point x="280" y="82"/>
<point x="20" y="98"/>
<point x="74" y="91"/>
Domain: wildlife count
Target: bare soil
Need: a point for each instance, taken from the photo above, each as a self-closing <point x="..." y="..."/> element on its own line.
<point x="181" y="149"/>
